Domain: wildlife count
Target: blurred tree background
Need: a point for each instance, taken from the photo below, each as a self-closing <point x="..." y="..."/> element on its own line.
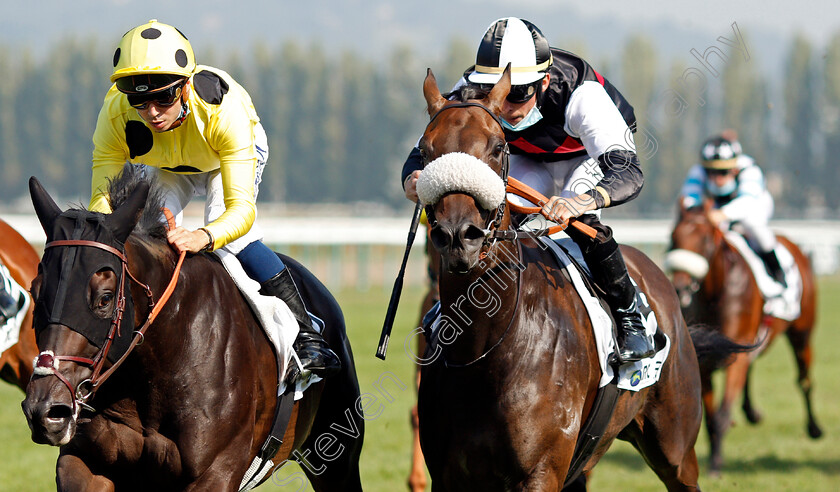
<point x="341" y="125"/>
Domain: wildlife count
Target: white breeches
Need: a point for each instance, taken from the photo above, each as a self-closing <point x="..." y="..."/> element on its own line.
<point x="565" y="178"/>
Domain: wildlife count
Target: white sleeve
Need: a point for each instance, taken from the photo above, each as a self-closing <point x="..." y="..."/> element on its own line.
<point x="592" y="117"/>
<point x="748" y="196"/>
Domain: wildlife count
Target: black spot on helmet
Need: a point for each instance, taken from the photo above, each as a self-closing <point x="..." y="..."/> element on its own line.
<point x="153" y="49"/>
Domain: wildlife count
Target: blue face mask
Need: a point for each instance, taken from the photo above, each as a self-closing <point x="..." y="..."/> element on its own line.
<point x="529" y="120"/>
<point x="727" y="189"/>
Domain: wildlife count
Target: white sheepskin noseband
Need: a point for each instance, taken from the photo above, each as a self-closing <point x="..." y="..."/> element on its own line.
<point x="682" y="260"/>
<point x="464" y="173"/>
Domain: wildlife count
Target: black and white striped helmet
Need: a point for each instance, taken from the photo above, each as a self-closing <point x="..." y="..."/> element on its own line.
<point x="720" y="153"/>
<point x="515" y="41"/>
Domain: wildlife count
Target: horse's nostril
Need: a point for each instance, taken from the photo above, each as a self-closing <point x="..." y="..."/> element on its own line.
<point x="473" y="233"/>
<point x="59" y="412"/>
<point x="440" y="238"/>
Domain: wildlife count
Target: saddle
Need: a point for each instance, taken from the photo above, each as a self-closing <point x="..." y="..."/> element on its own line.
<point x="783" y="302"/>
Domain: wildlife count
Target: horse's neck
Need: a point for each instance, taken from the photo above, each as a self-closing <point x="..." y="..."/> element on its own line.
<point x="477" y="307"/>
<point x="150" y="263"/>
<point x="729" y="279"/>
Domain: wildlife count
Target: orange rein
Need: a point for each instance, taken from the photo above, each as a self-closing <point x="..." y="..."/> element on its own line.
<point x="521" y="189"/>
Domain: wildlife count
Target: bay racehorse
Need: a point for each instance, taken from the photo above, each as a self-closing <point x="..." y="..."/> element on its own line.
<point x="502" y="406"/>
<point x="192" y="403"/>
<point x="22" y="261"/>
<point x="717" y="288"/>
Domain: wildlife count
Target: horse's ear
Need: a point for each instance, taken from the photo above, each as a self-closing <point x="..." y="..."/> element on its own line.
<point x="500" y="91"/>
<point x="125" y="217"/>
<point x="434" y="101"/>
<point x="45" y="207"/>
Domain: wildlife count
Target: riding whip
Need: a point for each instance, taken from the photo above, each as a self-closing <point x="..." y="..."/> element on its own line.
<point x="398" y="284"/>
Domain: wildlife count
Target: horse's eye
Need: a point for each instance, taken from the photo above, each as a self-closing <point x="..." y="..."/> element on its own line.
<point x="103" y="303"/>
<point x="105" y="299"/>
<point x="499" y="149"/>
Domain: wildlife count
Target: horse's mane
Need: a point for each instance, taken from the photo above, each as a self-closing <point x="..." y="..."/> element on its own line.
<point x="152" y="221"/>
<point x="467" y="92"/>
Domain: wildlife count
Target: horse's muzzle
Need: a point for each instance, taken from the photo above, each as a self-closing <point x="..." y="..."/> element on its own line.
<point x="50" y="422"/>
<point x="459" y="245"/>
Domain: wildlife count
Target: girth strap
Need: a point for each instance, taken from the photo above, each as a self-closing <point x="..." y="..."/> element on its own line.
<point x="282" y="416"/>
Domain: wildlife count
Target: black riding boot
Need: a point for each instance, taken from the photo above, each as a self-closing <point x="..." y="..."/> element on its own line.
<point x="774" y="268"/>
<point x="610" y="273"/>
<point x="314" y="353"/>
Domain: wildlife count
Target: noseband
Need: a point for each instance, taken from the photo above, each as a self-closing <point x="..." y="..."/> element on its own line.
<point x="494" y="220"/>
<point x="47" y="362"/>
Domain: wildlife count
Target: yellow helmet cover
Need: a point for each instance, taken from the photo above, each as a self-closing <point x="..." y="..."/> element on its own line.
<point x="153" y="48"/>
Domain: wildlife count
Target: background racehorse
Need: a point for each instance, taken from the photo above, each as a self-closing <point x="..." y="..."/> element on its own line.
<point x="22" y="261"/>
<point x="502" y="406"/>
<point x="727" y="298"/>
<point x="417" y="475"/>
<point x="191" y="406"/>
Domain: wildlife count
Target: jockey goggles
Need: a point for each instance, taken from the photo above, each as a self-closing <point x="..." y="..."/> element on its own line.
<point x="163" y="98"/>
<point x="717" y="172"/>
<point x="518" y="93"/>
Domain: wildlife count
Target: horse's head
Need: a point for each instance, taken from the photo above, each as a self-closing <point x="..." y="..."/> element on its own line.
<point x="692" y="245"/>
<point x="465" y="166"/>
<point x="84" y="314"/>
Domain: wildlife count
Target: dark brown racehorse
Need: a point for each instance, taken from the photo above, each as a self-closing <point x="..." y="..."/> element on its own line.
<point x="502" y="406"/>
<point x="193" y="403"/>
<point x="727" y="298"/>
<point x="22" y="261"/>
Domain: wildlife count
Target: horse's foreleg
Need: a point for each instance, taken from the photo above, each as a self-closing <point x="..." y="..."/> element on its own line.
<point x="752" y="414"/>
<point x="417" y="477"/>
<point x="73" y="475"/>
<point x="799" y="340"/>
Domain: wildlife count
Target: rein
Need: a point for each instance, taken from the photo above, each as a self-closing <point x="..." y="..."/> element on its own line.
<point x="47" y="363"/>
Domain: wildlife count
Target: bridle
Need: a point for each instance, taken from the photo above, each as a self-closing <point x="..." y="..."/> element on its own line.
<point x="47" y="362"/>
<point x="493" y="220"/>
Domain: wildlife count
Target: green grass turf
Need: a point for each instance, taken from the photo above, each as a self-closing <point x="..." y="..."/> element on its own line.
<point x="775" y="455"/>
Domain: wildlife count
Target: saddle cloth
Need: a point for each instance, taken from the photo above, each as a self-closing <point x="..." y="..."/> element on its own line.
<point x="633" y="376"/>
<point x="779" y="302"/>
<point x="276" y="319"/>
<point x="10" y="329"/>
